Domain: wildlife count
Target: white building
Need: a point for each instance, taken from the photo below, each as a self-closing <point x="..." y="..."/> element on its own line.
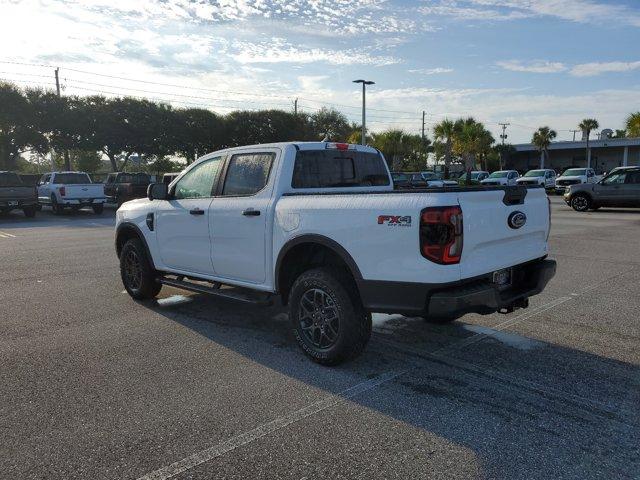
<point x="605" y="154"/>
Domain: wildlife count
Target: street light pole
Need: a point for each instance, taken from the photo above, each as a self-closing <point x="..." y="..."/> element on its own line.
<point x="364" y="90"/>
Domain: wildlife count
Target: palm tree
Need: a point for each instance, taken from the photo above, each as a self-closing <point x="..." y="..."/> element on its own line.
<point x="445" y="132"/>
<point x="542" y="139"/>
<point x="633" y="125"/>
<point x="471" y="141"/>
<point x="586" y="126"/>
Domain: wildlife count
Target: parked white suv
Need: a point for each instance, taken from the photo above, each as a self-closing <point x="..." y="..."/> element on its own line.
<point x="320" y="225"/>
<point x="501" y="177"/>
<point x="574" y="176"/>
<point x="70" y="190"/>
<point x="544" y="177"/>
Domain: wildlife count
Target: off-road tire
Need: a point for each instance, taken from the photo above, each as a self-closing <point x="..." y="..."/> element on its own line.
<point x="98" y="208"/>
<point x="353" y="328"/>
<point x="55" y="206"/>
<point x="29" y="212"/>
<point x="137" y="272"/>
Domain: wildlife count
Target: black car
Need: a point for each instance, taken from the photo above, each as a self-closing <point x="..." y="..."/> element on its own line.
<point x="15" y="195"/>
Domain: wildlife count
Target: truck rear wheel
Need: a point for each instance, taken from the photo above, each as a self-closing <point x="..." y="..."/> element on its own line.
<point x="327" y="316"/>
<point x="29" y="212"/>
<point x="55" y="206"/>
<point x="137" y="272"/>
<point x="98" y="208"/>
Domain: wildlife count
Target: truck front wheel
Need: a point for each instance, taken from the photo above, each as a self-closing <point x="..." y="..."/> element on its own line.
<point x="137" y="273"/>
<point x="327" y="316"/>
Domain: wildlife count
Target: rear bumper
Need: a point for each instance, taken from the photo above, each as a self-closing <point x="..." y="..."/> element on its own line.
<point x="452" y="300"/>
<point x="19" y="203"/>
<point x="82" y="202"/>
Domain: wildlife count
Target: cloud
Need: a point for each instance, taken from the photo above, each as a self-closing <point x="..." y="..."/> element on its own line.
<point x="580" y="70"/>
<point x="430" y="71"/>
<point x="537" y="66"/>
<point x="596" y="68"/>
<point x="278" y="50"/>
<point x="582" y="11"/>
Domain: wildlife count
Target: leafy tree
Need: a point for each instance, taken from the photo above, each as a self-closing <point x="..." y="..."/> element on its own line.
<point x="445" y="132"/>
<point x="587" y="125"/>
<point x="504" y="151"/>
<point x="619" y="133"/>
<point x="264" y="126"/>
<point x="632" y="125"/>
<point x="18" y="129"/>
<point x="542" y="139"/>
<point x="331" y="124"/>
<point x="197" y="131"/>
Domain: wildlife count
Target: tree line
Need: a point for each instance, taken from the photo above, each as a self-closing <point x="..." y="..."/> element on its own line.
<point x="82" y="131"/>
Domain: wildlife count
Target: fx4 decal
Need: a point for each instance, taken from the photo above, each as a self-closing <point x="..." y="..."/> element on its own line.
<point x="394" y="220"/>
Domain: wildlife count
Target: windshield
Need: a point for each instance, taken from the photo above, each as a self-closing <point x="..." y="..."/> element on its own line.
<point x="399" y="177"/>
<point x="10" y="179"/>
<point x="474" y="175"/>
<point x="72" y="178"/>
<point x="574" y="172"/>
<point x="429" y="175"/>
<point x="501" y="174"/>
<point x="535" y="173"/>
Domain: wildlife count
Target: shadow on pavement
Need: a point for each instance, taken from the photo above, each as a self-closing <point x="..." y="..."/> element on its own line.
<point x="526" y="408"/>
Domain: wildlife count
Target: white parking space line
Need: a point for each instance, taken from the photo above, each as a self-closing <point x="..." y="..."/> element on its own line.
<point x="6" y="235"/>
<point x="245" y="438"/>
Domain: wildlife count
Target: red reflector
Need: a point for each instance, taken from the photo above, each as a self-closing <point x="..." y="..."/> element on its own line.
<point x="441" y="234"/>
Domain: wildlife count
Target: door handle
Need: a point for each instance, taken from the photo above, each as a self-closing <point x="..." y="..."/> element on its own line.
<point x="250" y="212"/>
<point x="196" y="211"/>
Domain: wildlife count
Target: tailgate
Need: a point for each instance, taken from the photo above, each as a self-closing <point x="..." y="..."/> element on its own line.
<point x="490" y="243"/>
<point x="85" y="191"/>
<point x="17" y="193"/>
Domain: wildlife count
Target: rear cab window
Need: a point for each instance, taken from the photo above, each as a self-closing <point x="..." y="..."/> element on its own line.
<point x="10" y="179"/>
<point x="71" y="178"/>
<point x="338" y="169"/>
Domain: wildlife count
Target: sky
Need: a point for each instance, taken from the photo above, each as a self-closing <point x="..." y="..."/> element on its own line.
<point x="525" y="62"/>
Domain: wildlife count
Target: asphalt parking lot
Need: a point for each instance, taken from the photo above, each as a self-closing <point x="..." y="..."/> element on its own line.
<point x="94" y="385"/>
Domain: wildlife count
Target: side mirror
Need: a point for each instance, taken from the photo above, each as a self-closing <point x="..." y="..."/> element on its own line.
<point x="157" y="191"/>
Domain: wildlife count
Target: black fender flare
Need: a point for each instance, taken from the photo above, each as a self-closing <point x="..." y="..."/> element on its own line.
<point x="132" y="226"/>
<point x="320" y="240"/>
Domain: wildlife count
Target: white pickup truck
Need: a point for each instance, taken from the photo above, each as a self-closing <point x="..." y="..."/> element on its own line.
<point x="72" y="190"/>
<point x="320" y="226"/>
<point x="575" y="176"/>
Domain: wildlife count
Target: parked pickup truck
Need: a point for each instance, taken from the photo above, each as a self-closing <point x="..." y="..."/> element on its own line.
<point x="15" y="195"/>
<point x="501" y="177"/>
<point x="70" y="190"/>
<point x="544" y="177"/>
<point x="122" y="187"/>
<point x="319" y="225"/>
<point x="575" y="176"/>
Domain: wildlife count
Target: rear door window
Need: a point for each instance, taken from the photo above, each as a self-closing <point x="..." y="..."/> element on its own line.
<point x="335" y="169"/>
<point x="247" y="173"/>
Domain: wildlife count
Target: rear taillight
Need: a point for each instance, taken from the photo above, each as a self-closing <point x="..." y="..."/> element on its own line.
<point x="441" y="234"/>
<point x="63" y="191"/>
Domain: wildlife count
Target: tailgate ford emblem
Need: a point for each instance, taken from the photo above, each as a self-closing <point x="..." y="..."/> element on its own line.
<point x="516" y="220"/>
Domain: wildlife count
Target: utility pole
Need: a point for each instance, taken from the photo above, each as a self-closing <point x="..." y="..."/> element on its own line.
<point x="424" y="143"/>
<point x="364" y="117"/>
<point x="295" y="107"/>
<point x="574" y="133"/>
<point x="503" y="137"/>
<point x="67" y="163"/>
<point x="57" y="81"/>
